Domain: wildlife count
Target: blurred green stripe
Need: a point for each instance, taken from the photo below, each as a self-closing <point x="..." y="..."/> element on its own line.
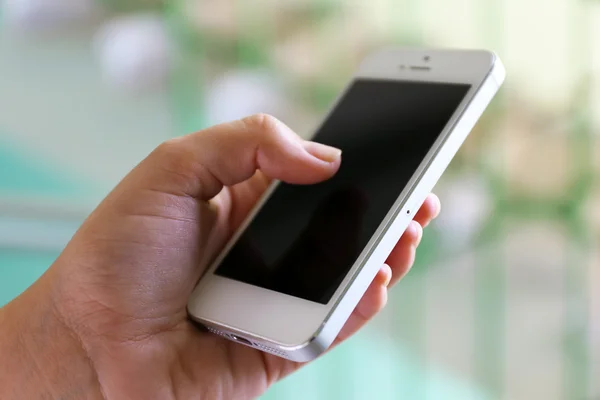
<point x="30" y="175"/>
<point x="19" y="269"/>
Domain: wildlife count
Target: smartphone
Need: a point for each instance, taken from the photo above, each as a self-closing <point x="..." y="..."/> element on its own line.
<point x="291" y="276"/>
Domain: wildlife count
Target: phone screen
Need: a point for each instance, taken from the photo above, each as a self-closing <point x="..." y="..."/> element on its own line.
<point x="306" y="238"/>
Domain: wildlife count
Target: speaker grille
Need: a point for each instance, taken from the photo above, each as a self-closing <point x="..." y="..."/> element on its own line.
<point x="259" y="346"/>
<point x="220" y="333"/>
<point x="267" y="349"/>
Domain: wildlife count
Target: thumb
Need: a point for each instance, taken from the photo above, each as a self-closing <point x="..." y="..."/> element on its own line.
<point x="200" y="164"/>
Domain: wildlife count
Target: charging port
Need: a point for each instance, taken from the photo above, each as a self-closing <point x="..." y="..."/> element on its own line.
<point x="241" y="340"/>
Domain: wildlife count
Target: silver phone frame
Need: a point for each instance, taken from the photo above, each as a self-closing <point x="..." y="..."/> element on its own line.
<point x="395" y="222"/>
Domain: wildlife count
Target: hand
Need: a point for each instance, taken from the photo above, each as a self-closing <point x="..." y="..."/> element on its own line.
<point x="108" y="319"/>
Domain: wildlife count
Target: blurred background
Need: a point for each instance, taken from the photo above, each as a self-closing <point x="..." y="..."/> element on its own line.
<point x="504" y="301"/>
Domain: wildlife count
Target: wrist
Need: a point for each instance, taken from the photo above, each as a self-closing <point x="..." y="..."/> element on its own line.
<point x="41" y="356"/>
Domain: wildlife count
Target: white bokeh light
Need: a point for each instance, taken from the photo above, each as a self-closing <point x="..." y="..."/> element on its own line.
<point x="38" y="15"/>
<point x="241" y="93"/>
<point x="467" y="205"/>
<point x="135" y="52"/>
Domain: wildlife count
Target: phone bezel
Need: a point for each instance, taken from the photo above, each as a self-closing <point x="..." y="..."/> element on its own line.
<point x="288" y="321"/>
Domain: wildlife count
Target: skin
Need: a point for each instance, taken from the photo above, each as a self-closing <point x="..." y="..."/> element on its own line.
<point x="108" y="318"/>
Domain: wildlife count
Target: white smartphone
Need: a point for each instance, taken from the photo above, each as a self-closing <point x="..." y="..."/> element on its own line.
<point x="291" y="276"/>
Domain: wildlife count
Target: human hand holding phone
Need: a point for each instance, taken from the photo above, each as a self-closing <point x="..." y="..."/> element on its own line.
<point x="109" y="317"/>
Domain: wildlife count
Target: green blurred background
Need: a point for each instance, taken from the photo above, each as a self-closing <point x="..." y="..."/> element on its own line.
<point x="504" y="301"/>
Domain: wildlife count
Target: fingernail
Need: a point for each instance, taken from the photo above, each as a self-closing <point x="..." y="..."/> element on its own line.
<point x="322" y="152"/>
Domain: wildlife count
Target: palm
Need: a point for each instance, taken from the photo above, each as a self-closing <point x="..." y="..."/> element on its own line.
<point x="157" y="316"/>
<point x="229" y="369"/>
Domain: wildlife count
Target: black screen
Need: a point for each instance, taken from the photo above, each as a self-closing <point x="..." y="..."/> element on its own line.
<point x="306" y="238"/>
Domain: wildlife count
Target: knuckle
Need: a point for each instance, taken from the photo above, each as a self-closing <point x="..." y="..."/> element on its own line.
<point x="264" y="124"/>
<point x="169" y="146"/>
<point x="183" y="167"/>
<point x="173" y="156"/>
<point x="169" y="150"/>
